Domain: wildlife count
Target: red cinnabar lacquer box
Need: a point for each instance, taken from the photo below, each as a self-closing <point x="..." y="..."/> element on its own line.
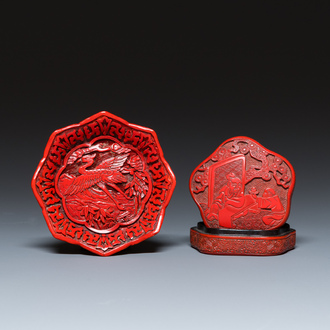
<point x="243" y="192"/>
<point x="103" y="184"/>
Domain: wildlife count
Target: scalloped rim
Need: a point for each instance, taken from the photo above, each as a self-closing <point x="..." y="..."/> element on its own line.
<point x="161" y="212"/>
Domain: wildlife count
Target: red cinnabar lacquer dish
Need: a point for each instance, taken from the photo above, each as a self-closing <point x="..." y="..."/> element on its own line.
<point x="243" y="192"/>
<point x="103" y="184"/>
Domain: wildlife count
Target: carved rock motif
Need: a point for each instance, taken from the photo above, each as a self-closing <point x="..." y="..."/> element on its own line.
<point x="103" y="184"/>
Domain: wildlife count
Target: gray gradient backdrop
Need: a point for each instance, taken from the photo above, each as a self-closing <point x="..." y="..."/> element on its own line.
<point x="197" y="76"/>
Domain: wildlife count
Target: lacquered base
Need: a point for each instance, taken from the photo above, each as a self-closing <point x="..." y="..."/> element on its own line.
<point x="242" y="242"/>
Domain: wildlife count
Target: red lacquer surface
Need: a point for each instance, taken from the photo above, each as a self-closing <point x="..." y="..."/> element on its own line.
<point x="243" y="185"/>
<point x="243" y="192"/>
<point x="103" y="184"/>
<point x="242" y="245"/>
